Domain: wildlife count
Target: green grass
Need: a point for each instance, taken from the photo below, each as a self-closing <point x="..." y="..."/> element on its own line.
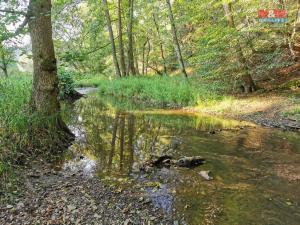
<point x="14" y="123"/>
<point x="293" y="113"/>
<point x="160" y="90"/>
<point x="23" y="134"/>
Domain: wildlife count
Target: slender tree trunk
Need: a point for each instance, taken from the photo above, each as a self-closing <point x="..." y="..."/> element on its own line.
<point x="4" y="64"/>
<point x="131" y="69"/>
<point x="175" y="40"/>
<point x="147" y="56"/>
<point x="249" y="85"/>
<point x="160" y="44"/>
<point x="136" y="58"/>
<point x="143" y="60"/>
<point x="4" y="69"/>
<point x="112" y="39"/>
<point x="121" y="45"/>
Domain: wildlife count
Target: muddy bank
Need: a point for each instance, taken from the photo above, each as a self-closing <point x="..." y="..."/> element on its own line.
<point x="269" y="111"/>
<point x="266" y="109"/>
<point x="52" y="197"/>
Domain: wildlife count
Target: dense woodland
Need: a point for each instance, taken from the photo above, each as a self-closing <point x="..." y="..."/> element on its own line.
<point x="123" y="38"/>
<point x="213" y="56"/>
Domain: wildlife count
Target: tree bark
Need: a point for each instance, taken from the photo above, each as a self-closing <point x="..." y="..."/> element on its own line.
<point x="175" y="40"/>
<point x="45" y="80"/>
<point x="160" y="44"/>
<point x="131" y="68"/>
<point x="249" y="85"/>
<point x="136" y="58"/>
<point x="3" y="62"/>
<point x="112" y="39"/>
<point x="147" y="56"/>
<point x="4" y="69"/>
<point x="121" y="45"/>
<point x="143" y="59"/>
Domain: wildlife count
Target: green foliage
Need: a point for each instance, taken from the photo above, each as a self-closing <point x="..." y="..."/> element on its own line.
<point x="66" y="83"/>
<point x="92" y="80"/>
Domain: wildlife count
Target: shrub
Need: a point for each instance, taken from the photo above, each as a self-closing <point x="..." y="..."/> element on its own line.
<point x="66" y="83"/>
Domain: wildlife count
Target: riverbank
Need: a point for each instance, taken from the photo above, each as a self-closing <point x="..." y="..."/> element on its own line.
<point x="65" y="197"/>
<point x="278" y="108"/>
<point x="271" y="110"/>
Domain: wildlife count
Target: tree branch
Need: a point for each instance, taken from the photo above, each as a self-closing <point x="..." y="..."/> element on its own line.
<point x="22" y="26"/>
<point x="13" y="12"/>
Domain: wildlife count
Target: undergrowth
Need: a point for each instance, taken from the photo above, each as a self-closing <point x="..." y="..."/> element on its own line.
<point x="23" y="134"/>
<point x="161" y="90"/>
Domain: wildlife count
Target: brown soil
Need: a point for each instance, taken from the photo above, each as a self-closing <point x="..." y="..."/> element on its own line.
<point x="71" y="198"/>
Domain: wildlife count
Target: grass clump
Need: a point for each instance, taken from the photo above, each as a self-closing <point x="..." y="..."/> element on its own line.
<point x="293" y="113"/>
<point x="175" y="91"/>
<point x="14" y="120"/>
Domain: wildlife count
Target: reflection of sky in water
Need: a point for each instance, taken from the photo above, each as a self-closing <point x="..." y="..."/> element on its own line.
<point x="161" y="197"/>
<point x="87" y="166"/>
<point x="78" y="131"/>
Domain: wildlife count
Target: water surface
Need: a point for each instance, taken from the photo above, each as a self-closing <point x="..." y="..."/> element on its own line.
<point x="256" y="170"/>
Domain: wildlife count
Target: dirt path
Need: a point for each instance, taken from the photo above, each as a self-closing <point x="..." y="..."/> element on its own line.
<point x="67" y="198"/>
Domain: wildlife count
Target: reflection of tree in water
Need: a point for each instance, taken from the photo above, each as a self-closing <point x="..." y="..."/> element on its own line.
<point x="115" y="138"/>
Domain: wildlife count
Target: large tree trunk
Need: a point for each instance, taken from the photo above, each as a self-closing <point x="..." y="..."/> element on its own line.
<point x="121" y="45"/>
<point x="175" y="40"/>
<point x="160" y="44"/>
<point x="45" y="80"/>
<point x="131" y="69"/>
<point x="112" y="39"/>
<point x="248" y="83"/>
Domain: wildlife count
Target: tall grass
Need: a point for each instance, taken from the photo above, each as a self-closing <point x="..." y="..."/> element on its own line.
<point x="14" y="122"/>
<point x="175" y="91"/>
<point x="23" y="133"/>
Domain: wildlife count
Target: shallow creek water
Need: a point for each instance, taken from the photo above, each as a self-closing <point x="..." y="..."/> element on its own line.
<point x="256" y="170"/>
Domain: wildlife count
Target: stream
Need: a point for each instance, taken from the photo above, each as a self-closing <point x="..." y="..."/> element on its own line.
<point x="255" y="170"/>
